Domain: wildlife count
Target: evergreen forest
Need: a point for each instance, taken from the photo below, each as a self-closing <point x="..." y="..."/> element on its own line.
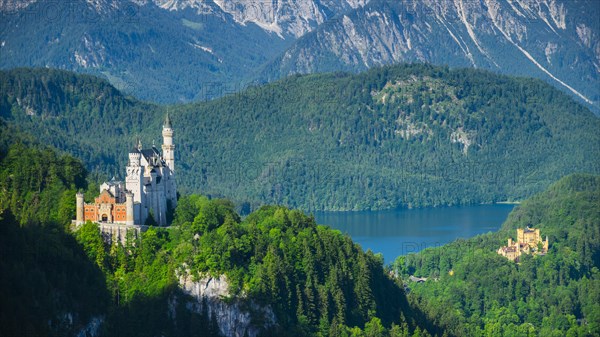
<point x="399" y="136"/>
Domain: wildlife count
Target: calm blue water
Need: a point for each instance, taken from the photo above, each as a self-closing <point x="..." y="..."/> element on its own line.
<point x="399" y="232"/>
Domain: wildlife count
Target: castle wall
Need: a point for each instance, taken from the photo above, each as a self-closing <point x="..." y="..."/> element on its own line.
<point x="156" y="200"/>
<point x="118" y="232"/>
<point x="129" y="215"/>
<point x="91" y="212"/>
<point x="120" y="213"/>
<point x="171" y="187"/>
<point x="134" y="180"/>
<point x="112" y="212"/>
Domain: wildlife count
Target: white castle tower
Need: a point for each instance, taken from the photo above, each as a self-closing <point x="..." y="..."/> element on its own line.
<point x="133" y="181"/>
<point x="169" y="156"/>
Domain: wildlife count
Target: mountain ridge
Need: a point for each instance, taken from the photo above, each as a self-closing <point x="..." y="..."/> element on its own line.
<point x="458" y="33"/>
<point x="191" y="50"/>
<point x="158" y="55"/>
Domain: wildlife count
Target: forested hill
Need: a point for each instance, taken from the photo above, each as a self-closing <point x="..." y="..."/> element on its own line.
<point x="409" y="135"/>
<point x="80" y="114"/>
<point x="313" y="281"/>
<point x="553" y="295"/>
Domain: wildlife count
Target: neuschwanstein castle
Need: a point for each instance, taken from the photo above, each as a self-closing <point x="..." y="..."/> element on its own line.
<point x="149" y="190"/>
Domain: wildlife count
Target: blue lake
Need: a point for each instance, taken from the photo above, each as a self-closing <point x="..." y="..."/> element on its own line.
<point x="399" y="232"/>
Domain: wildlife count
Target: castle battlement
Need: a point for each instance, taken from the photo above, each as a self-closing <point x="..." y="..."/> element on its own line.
<point x="148" y="193"/>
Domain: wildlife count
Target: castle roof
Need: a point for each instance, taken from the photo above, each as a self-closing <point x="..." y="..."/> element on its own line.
<point x="510" y="249"/>
<point x="167" y="123"/>
<point x="152" y="156"/>
<point x="113" y="182"/>
<point x="106" y="192"/>
<point x="137" y="147"/>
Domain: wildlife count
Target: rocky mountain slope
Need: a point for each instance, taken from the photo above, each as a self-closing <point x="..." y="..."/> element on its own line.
<point x="285" y="18"/>
<point x="557" y="41"/>
<point x="164" y="51"/>
<point x="185" y="50"/>
<point x="156" y="54"/>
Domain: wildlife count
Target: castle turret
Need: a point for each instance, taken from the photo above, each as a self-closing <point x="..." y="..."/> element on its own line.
<point x="520" y="235"/>
<point x="169" y="157"/>
<point x="134" y="157"/>
<point x="80" y="206"/>
<point x="135" y="171"/>
<point x="129" y="216"/>
<point x="168" y="147"/>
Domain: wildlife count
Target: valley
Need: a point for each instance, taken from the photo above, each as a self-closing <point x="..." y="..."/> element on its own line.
<point x="310" y="168"/>
<point x="279" y="271"/>
<point x="544" y="295"/>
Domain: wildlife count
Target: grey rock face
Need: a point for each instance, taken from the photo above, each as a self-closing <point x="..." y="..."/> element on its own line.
<point x="285" y="18"/>
<point x="234" y="317"/>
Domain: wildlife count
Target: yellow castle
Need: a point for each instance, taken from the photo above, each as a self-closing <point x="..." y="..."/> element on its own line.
<point x="528" y="241"/>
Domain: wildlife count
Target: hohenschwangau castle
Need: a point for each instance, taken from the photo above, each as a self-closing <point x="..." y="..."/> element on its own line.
<point x="148" y="192"/>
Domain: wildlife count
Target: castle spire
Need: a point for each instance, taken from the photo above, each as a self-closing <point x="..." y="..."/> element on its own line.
<point x="167" y="124"/>
<point x="139" y="144"/>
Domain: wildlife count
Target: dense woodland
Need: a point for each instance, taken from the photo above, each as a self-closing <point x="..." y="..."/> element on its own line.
<point x="40" y="294"/>
<point x="316" y="280"/>
<point x="389" y="137"/>
<point x="472" y="291"/>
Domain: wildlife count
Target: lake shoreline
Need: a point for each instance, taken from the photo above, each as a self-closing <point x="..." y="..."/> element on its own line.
<point x="403" y="231"/>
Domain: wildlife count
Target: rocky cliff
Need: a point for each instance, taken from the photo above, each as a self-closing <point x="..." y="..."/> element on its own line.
<point x="235" y="317"/>
<point x="285" y="18"/>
